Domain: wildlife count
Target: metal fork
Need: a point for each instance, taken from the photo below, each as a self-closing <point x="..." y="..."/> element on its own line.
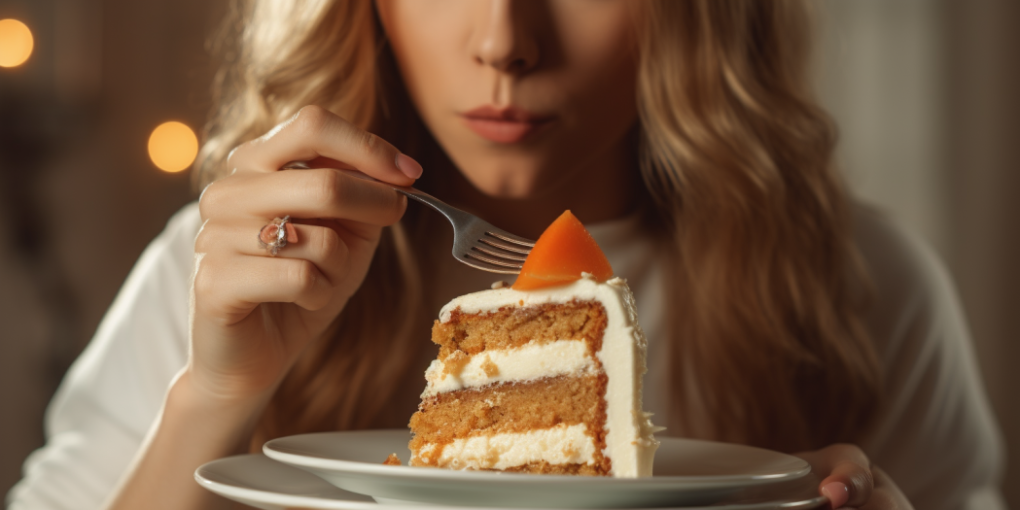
<point x="476" y="242"/>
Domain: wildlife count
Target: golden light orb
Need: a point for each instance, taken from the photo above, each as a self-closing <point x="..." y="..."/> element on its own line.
<point x="173" y="146"/>
<point x="16" y="43"/>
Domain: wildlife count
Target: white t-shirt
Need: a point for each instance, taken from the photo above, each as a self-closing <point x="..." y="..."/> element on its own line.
<point x="939" y="441"/>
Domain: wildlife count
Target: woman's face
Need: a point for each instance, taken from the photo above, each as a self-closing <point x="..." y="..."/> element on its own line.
<point x="523" y="95"/>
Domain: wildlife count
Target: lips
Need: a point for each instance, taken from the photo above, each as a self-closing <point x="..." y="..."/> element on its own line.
<point x="504" y="125"/>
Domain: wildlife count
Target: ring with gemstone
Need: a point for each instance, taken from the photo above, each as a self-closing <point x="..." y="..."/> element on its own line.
<point x="277" y="234"/>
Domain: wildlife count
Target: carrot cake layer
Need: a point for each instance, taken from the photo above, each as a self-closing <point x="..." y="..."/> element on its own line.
<point x="541" y="381"/>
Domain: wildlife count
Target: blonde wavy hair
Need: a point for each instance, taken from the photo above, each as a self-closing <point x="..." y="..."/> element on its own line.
<point x="767" y="343"/>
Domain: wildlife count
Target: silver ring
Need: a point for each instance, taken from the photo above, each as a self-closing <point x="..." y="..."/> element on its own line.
<point x="273" y="236"/>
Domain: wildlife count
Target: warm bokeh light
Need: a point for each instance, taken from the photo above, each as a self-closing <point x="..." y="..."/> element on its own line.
<point x="173" y="146"/>
<point x="16" y="43"/>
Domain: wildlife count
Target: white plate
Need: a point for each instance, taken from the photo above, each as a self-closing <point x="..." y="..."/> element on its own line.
<point x="687" y="473"/>
<point x="264" y="483"/>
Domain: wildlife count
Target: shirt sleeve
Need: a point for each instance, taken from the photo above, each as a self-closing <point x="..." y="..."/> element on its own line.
<point x="112" y="393"/>
<point x="936" y="436"/>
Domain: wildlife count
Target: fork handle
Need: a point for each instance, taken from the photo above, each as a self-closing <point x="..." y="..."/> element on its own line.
<point x="456" y="216"/>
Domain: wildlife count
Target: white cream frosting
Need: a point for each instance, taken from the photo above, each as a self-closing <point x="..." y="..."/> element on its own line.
<point x="630" y="443"/>
<point x="561" y="444"/>
<point x="532" y="361"/>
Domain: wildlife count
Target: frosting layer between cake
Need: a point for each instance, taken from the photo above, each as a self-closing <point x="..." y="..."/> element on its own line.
<point x="533" y="361"/>
<point x="563" y="444"/>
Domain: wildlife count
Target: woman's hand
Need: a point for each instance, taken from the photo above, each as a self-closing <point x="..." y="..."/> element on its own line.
<point x="850" y="481"/>
<point x="254" y="313"/>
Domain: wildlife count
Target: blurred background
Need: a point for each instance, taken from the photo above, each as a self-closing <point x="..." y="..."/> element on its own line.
<point x="925" y="93"/>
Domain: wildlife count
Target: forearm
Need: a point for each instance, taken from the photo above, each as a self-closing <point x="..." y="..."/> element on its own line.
<point x="192" y="429"/>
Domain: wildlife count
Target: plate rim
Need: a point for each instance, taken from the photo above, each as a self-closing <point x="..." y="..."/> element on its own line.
<point x="277" y="498"/>
<point x="350" y="466"/>
<point x="320" y="503"/>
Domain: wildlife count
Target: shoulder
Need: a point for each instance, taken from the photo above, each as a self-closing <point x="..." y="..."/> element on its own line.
<point x="177" y="241"/>
<point x="143" y="336"/>
<point x="158" y="285"/>
<point x="895" y="258"/>
<point x="187" y="221"/>
<point x="934" y="410"/>
<point x="114" y="390"/>
<point x="909" y="285"/>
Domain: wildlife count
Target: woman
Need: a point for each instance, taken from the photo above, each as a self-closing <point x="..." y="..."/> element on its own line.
<point x="713" y="193"/>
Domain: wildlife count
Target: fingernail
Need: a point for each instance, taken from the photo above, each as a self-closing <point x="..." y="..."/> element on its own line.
<point x="409" y="166"/>
<point x="837" y="492"/>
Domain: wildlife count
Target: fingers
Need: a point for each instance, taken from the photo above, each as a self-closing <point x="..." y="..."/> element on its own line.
<point x="318" y="193"/>
<point x="315" y="132"/>
<point x="887" y="496"/>
<point x="231" y="290"/>
<point x="847" y="474"/>
<point x="320" y="245"/>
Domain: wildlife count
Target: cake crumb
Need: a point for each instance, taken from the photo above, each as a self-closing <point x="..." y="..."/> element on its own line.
<point x="454" y="363"/>
<point x="392" y="460"/>
<point x="570" y="451"/>
<point x="498" y="284"/>
<point x="491" y="369"/>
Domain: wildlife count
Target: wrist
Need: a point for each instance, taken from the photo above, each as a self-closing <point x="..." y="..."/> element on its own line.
<point x="193" y="428"/>
<point x="211" y="385"/>
<point x="226" y="420"/>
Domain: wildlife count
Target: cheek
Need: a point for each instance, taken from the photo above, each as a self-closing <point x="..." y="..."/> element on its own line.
<point x="427" y="38"/>
<point x="599" y="72"/>
<point x="592" y="34"/>
<point x="599" y="50"/>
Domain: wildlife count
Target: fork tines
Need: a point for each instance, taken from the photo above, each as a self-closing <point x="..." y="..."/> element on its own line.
<point x="509" y="242"/>
<point x="500" y="252"/>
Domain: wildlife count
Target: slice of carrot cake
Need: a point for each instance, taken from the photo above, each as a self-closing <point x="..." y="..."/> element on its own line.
<point x="544" y="377"/>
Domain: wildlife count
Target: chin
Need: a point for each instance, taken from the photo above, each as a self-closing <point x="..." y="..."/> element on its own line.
<point x="504" y="183"/>
<point x="506" y="190"/>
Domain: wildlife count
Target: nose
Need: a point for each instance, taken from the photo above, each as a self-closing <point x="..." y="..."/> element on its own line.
<point x="503" y="40"/>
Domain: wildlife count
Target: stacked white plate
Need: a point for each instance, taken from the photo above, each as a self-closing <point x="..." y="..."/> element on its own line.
<point x="344" y="470"/>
